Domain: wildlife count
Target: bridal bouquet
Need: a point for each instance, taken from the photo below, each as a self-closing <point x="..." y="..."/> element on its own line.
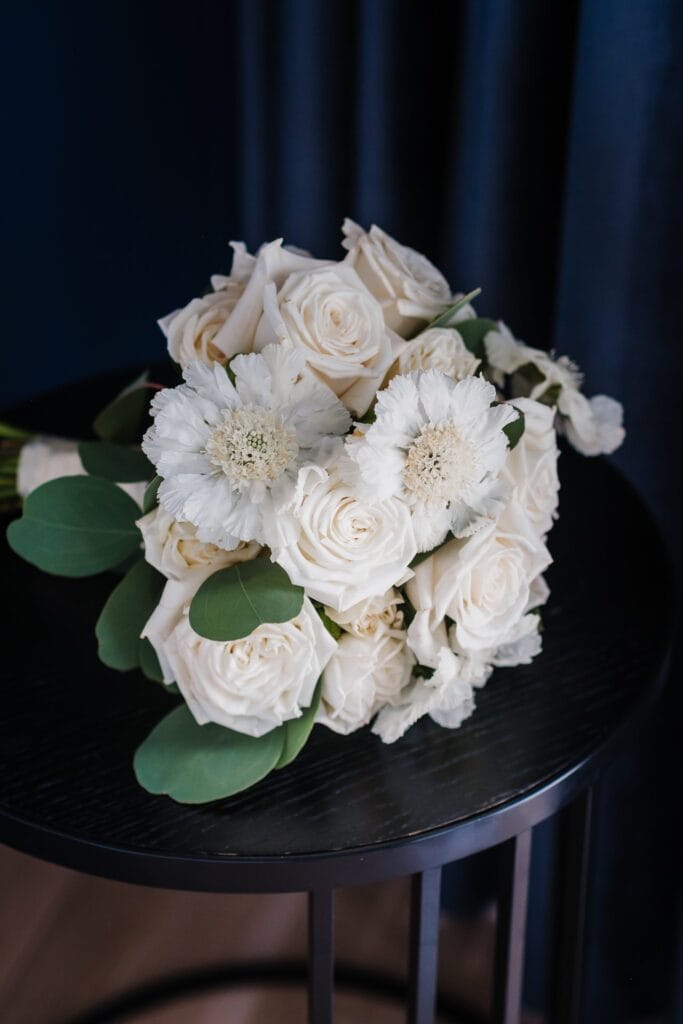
<point x="339" y="516"/>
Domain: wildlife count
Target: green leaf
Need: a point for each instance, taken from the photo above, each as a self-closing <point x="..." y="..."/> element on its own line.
<point x="232" y="602"/>
<point x="150" y="499"/>
<point x="194" y="764"/>
<point x="76" y="526"/>
<point x="531" y="373"/>
<point x="149" y="663"/>
<point x="125" y="614"/>
<point x="116" y="462"/>
<point x="444" y="319"/>
<point x="122" y="420"/>
<point x="473" y="333"/>
<point x="298" y="730"/>
<point x="550" y="395"/>
<point x="514" y="431"/>
<point x="332" y="627"/>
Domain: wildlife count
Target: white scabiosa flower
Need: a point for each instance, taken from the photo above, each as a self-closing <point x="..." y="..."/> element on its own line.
<point x="173" y="548"/>
<point x="446" y="697"/>
<point x="340" y="547"/>
<point x="227" y="452"/>
<point x="439" y="446"/>
<point x="439" y="348"/>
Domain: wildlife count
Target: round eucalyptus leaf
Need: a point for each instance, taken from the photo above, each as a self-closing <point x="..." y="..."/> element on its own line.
<point x="297" y="730"/>
<point x="194" y="764"/>
<point x="232" y="602"/>
<point x="473" y="333"/>
<point x="125" y="615"/>
<point x="123" y="419"/>
<point x="150" y="498"/>
<point x="149" y="663"/>
<point x="76" y="526"/>
<point x="116" y="462"/>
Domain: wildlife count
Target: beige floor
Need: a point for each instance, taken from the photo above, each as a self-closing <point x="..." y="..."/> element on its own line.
<point x="68" y="940"/>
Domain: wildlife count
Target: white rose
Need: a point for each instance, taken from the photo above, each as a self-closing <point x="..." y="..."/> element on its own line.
<point x="410" y="288"/>
<point x="46" y="458"/>
<point x="173" y="548"/>
<point x="531" y="466"/>
<point x="340" y="548"/>
<point x="251" y="685"/>
<point x="446" y="697"/>
<point x="330" y="315"/>
<point x="483" y="584"/>
<point x="439" y="348"/>
<point x="363" y="674"/>
<point x="194" y="332"/>
<point x="379" y="614"/>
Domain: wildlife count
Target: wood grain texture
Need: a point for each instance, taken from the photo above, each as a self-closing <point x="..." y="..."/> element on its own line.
<point x="70" y="726"/>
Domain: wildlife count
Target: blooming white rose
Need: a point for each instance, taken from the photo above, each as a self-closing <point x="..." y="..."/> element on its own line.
<point x="363" y="674"/>
<point x="381" y="613"/>
<point x="594" y="426"/>
<point x="446" y="697"/>
<point x="331" y="317"/>
<point x="410" y="288"/>
<point x="531" y="466"/>
<point x="438" y="348"/>
<point x="45" y="458"/>
<point x="484" y="584"/>
<point x="340" y="548"/>
<point x="173" y="548"/>
<point x="194" y="332"/>
<point x="251" y="685"/>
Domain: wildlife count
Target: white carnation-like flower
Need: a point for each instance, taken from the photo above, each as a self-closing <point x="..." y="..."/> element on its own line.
<point x="331" y="317"/>
<point x="439" y="446"/>
<point x="446" y="697"/>
<point x="439" y="348"/>
<point x="195" y="332"/>
<point x="229" y="453"/>
<point x="341" y="548"/>
<point x="594" y="426"/>
<point x="251" y="685"/>
<point x="486" y="585"/>
<point x="173" y="548"/>
<point x="410" y="288"/>
<point x="46" y="458"/>
<point x="531" y="466"/>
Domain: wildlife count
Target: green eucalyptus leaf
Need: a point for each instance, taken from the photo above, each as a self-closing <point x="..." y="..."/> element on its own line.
<point x="76" y="526"/>
<point x="514" y="431"/>
<point x="444" y="319"/>
<point x="298" y="730"/>
<point x="473" y="333"/>
<point x="233" y="602"/>
<point x="116" y="462"/>
<point x="125" y="614"/>
<point x="332" y="627"/>
<point x="550" y="395"/>
<point x="531" y="374"/>
<point x="123" y="419"/>
<point x="150" y="499"/>
<point x="194" y="764"/>
<point x="149" y="663"/>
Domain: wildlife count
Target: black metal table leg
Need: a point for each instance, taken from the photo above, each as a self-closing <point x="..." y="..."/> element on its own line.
<point x="321" y="956"/>
<point x="513" y="896"/>
<point x="574" y="858"/>
<point x="424" y="946"/>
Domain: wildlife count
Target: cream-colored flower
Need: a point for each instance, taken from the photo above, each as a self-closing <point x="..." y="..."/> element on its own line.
<point x="484" y="584"/>
<point x="329" y="315"/>
<point x="439" y="348"/>
<point x="45" y="458"/>
<point x="341" y="548"/>
<point x="250" y="685"/>
<point x="380" y="614"/>
<point x="410" y="288"/>
<point x="531" y="466"/>
<point x="174" y="549"/>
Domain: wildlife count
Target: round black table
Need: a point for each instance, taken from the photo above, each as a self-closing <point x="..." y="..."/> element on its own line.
<point x="349" y="810"/>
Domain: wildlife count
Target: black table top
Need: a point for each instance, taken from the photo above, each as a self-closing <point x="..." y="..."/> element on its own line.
<point x="350" y="808"/>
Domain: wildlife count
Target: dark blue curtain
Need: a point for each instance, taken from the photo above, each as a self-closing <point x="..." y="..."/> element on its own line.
<point x="532" y="149"/>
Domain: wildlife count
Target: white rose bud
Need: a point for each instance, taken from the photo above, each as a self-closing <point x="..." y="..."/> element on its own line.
<point x="438" y="348"/>
<point x="531" y="466"/>
<point x="330" y="315"/>
<point x="341" y="548"/>
<point x="250" y="685"/>
<point x="173" y="548"/>
<point x="410" y="288"/>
